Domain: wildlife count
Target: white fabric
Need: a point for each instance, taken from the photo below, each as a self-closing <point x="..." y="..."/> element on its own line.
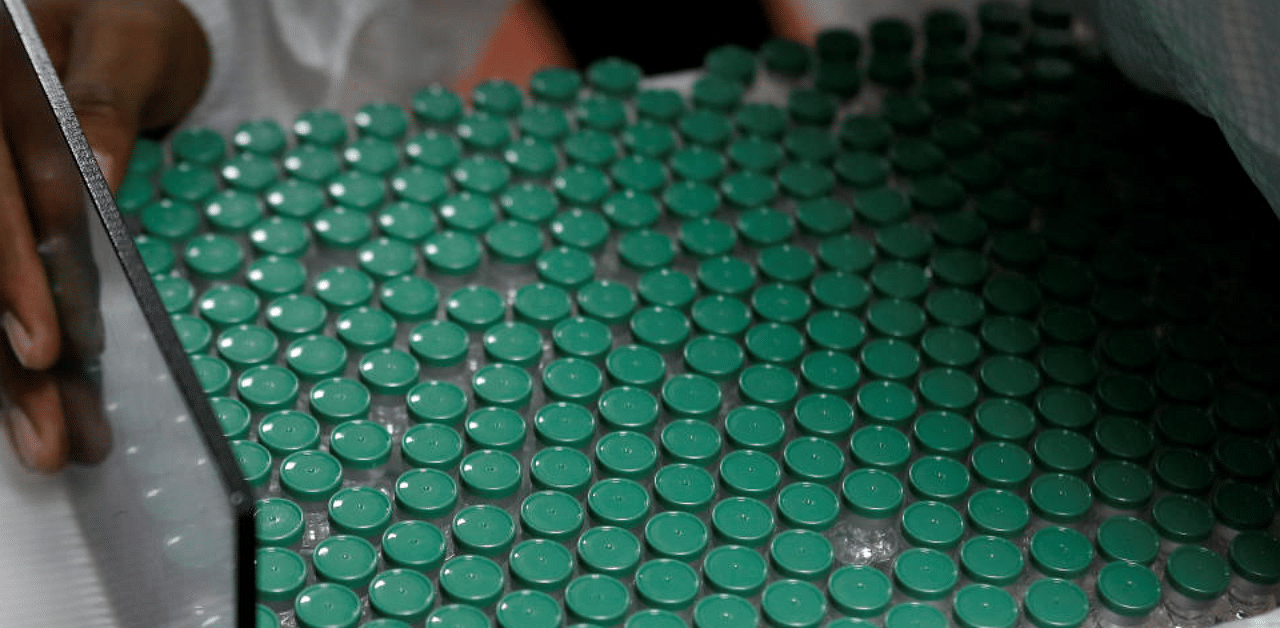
<point x="1221" y="56"/>
<point x="277" y="58"/>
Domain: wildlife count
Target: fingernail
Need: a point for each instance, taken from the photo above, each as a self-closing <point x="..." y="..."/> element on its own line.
<point x="19" y="339"/>
<point x="24" y="436"/>
<point x="104" y="164"/>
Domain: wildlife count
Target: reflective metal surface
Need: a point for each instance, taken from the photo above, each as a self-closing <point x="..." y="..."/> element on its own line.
<point x="156" y="491"/>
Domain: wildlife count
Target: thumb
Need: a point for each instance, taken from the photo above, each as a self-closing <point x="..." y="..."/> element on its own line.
<point x="115" y="60"/>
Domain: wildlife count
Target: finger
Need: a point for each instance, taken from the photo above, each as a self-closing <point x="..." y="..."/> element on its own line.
<point x="34" y="418"/>
<point x="115" y="61"/>
<point x="27" y="313"/>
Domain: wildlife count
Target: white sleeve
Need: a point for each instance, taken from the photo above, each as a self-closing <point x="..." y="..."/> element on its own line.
<point x="277" y="58"/>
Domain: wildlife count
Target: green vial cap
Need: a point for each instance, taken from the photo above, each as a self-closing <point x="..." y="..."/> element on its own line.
<point x="315" y="358"/>
<point x="640" y="174"/>
<point x="514" y="343"/>
<point x="626" y="454"/>
<point x="985" y="606"/>
<point x="635" y="365"/>
<point x="597" y="598"/>
<point x="896" y="318"/>
<point x="170" y="220"/>
<point x="1061" y="498"/>
<point x="309" y="165"/>
<point x="1183" y="470"/>
<point x="581" y="337"/>
<point x="726" y="275"/>
<point x="483" y="530"/>
<point x="1122" y="484"/>
<point x="287" y="431"/>
<point x="1065" y="407"/>
<point x="532" y="609"/>
<point x="466" y="212"/>
<point x="609" y="550"/>
<point x="360" y="511"/>
<point x="254" y="461"/>
<point x="573" y="380"/>
<point x="435" y="105"/>
<point x="601" y="112"/>
<point x="497" y="428"/>
<point x="676" y="535"/>
<point x="938" y="478"/>
<point x="541" y="565"/>
<point x="860" y="590"/>
<point x="1009" y="376"/>
<point x="214" y="374"/>
<point x="1055" y="603"/>
<point x="310" y="475"/>
<point x="645" y="250"/>
<point x="339" y="399"/>
<point x="890" y="358"/>
<point x="705" y="127"/>
<point x="409" y="299"/>
<point x="1128" y="589"/>
<point x="808" y="506"/>
<point x="793" y="604"/>
<point x="1063" y="451"/>
<point x="991" y="560"/>
<point x="835" y="330"/>
<point x="1255" y="557"/>
<point x="1001" y="465"/>
<point x="724" y="611"/>
<point x="660" y="105"/>
<point x="249" y="172"/>
<point x="364" y="329"/>
<point x="943" y="433"/>
<point x="948" y="388"/>
<point x="689" y="200"/>
<point x="762" y="227"/>
<point x="413" y="544"/>
<point x="147" y="157"/>
<point x="750" y="473"/>
<point x="186" y="183"/>
<point x="278" y="522"/>
<point x="388" y="371"/>
<point x="769" y="386"/>
<point x="401" y="594"/>
<point x="274" y="276"/>
<point x="1127" y="539"/>
<point x="933" y="525"/>
<point x="490" y="474"/>
<point x="684" y="487"/>
<point x="472" y="580"/>
<point x="232" y="211"/>
<point x="775" y="343"/>
<point x="198" y="146"/>
<point x="887" y="403"/>
<point x="439" y="343"/>
<point x="692" y="441"/>
<point x="434" y="150"/>
<point x="1197" y="572"/>
<point x="458" y="615"/>
<point x="382" y="120"/>
<point x="498" y="97"/>
<point x="233" y="417"/>
<point x="431" y="446"/>
<point x="371" y="155"/>
<point x="813" y="459"/>
<point x="561" y="469"/>
<point x="618" y="502"/>
<point x="872" y="493"/>
<point x="1242" y="506"/>
<point x="551" y="515"/>
<point x="691" y="396"/>
<point x="925" y="574"/>
<point x="426" y="493"/>
<point x="1124" y="438"/>
<point x="268" y="387"/>
<point x="564" y="424"/>
<point x="385" y="259"/>
<point x="264" y="137"/>
<point x="998" y="512"/>
<point x="1182" y="518"/>
<point x="628" y="408"/>
<point x="342" y="228"/>
<point x="555" y="85"/>
<point x="1060" y="552"/>
<point x="661" y="328"/>
<point x="801" y="554"/>
<point x="565" y="267"/>
<point x="406" y="221"/>
<point x="880" y="447"/>
<point x="244" y="346"/>
<point x="666" y="584"/>
<point x="452" y="252"/>
<point x="819" y="414"/>
<point x="157" y="255"/>
<point x="742" y="521"/>
<point x="360" y="445"/>
<point x="343" y="288"/>
<point x="327" y="605"/>
<point x="955" y="307"/>
<point x="735" y="570"/>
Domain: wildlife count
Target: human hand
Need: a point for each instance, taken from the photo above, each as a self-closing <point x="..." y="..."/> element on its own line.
<point x="127" y="66"/>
